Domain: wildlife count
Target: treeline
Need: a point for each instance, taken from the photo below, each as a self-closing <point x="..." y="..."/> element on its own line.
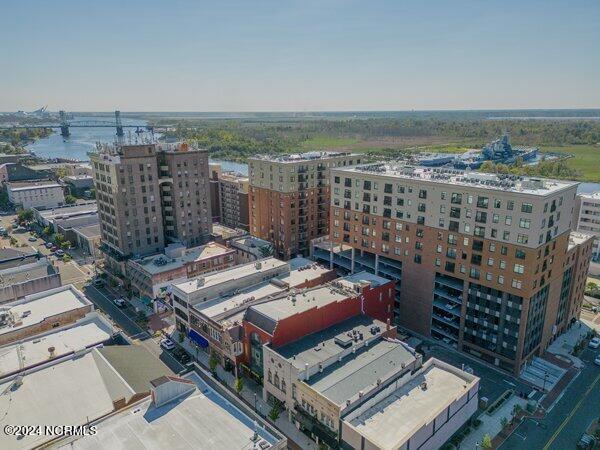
<point x="13" y="141"/>
<point x="546" y="169"/>
<point x="237" y="139"/>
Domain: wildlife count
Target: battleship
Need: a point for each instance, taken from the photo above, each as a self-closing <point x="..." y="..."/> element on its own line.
<point x="498" y="151"/>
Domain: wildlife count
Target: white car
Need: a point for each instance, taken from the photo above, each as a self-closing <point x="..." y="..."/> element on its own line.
<point x="119" y="302"/>
<point x="167" y="344"/>
<point x="594" y="343"/>
<point x="597" y="361"/>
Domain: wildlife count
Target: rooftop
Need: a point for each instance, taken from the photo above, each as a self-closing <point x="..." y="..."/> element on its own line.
<point x="35" y="308"/>
<point x="89" y="331"/>
<point x="202" y="420"/>
<point x="89" y="231"/>
<point x="578" y="238"/>
<point x="395" y="417"/>
<point x="497" y="182"/>
<point x="68" y="392"/>
<point x="223" y="276"/>
<point x="226" y="232"/>
<point x="249" y="242"/>
<point x="591" y="195"/>
<point x="63" y="212"/>
<point x="300" y="157"/>
<point x="27" y="185"/>
<point x="10" y="253"/>
<point x="344" y="380"/>
<point x="321" y="346"/>
<point x="302" y="270"/>
<point x="26" y="272"/>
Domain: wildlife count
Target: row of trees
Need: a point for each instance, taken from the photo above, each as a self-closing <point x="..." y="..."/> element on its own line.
<point x="546" y="169"/>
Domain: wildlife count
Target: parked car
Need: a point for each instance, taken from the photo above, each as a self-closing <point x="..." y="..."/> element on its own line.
<point x="167" y="344"/>
<point x="49" y="245"/>
<point x="32" y="239"/>
<point x="182" y="356"/>
<point x="119" y="302"/>
<point x="98" y="282"/>
<point x="60" y="252"/>
<point x="594" y="343"/>
<point x="597" y="360"/>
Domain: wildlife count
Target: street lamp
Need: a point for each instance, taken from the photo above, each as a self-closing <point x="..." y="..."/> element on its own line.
<point x="255" y="402"/>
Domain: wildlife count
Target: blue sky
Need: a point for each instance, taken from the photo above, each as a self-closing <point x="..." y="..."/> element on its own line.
<point x="299" y="55"/>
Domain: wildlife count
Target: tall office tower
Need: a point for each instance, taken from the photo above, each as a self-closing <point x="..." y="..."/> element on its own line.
<point x="233" y="198"/>
<point x="289" y="198"/>
<point x="486" y="263"/>
<point x="148" y="196"/>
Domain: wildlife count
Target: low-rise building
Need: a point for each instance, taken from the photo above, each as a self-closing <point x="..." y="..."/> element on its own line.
<point x="10" y="172"/>
<point x="28" y="195"/>
<point x="210" y="309"/>
<point x="41" y="312"/>
<point x="152" y="275"/>
<point x="13" y="257"/>
<point x="78" y="184"/>
<point x="20" y="281"/>
<point x="250" y="248"/>
<point x="87" y="238"/>
<point x="67" y="217"/>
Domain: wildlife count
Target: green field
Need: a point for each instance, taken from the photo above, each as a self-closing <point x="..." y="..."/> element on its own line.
<point x="586" y="160"/>
<point x="321" y="142"/>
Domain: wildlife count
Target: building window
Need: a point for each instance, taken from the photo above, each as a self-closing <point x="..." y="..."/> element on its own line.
<point x="519" y="268"/>
<point x="527" y="208"/>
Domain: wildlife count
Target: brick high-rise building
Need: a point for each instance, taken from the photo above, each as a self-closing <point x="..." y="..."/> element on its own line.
<point x="150" y="195"/>
<point x="289" y="198"/>
<point x="485" y="262"/>
<point x="233" y="200"/>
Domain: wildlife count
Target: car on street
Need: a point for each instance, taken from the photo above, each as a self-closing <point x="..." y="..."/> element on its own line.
<point x="182" y="356"/>
<point x="167" y="344"/>
<point x="594" y="343"/>
<point x="597" y="360"/>
<point x="32" y="239"/>
<point x="98" y="282"/>
<point x="60" y="252"/>
<point x="119" y="302"/>
<point x="48" y="245"/>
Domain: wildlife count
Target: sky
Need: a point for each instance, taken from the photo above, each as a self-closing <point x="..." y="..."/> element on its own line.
<point x="310" y="55"/>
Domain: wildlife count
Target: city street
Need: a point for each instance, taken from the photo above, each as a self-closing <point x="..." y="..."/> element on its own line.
<point x="571" y="415"/>
<point x="122" y="317"/>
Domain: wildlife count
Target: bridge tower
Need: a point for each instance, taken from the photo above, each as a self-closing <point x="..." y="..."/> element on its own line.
<point x="119" y="124"/>
<point x="64" y="124"/>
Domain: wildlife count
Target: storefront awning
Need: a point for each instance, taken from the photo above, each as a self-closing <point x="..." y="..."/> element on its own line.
<point x="198" y="338"/>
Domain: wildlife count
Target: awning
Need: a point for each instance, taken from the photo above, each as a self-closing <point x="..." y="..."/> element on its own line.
<point x="198" y="338"/>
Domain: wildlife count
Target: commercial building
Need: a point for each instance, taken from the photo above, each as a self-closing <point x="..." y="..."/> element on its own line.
<point x="41" y="312"/>
<point x="151" y="276"/>
<point x="67" y="219"/>
<point x="184" y="413"/>
<point x="233" y="200"/>
<point x="78" y="184"/>
<point x="481" y="259"/>
<point x="293" y="315"/>
<point x="587" y="219"/>
<point x="88" y="239"/>
<point x="421" y="410"/>
<point x="289" y="198"/>
<point x="77" y="390"/>
<point x="150" y="195"/>
<point x="63" y="169"/>
<point x="27" y="195"/>
<point x="10" y="172"/>
<point x="210" y="309"/>
<point x="13" y="257"/>
<point x="250" y="248"/>
<point x="25" y="279"/>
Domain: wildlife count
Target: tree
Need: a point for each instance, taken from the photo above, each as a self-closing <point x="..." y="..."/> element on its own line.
<point x="213" y="361"/>
<point x="47" y="231"/>
<point x="65" y="245"/>
<point x="25" y="215"/>
<point x="238" y="385"/>
<point x="59" y="238"/>
<point x="274" y="413"/>
<point x="488" y="167"/>
<point x="486" y="442"/>
<point x="70" y="200"/>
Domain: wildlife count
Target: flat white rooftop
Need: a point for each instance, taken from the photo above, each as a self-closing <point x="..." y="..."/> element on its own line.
<point x="224" y="276"/>
<point x="301" y="157"/>
<point x="303" y="270"/>
<point x="70" y="392"/>
<point x="591" y="195"/>
<point x="27" y="186"/>
<point x="201" y="420"/>
<point x="91" y="330"/>
<point x="455" y="177"/>
<point x="35" y="308"/>
<point x="394" y="419"/>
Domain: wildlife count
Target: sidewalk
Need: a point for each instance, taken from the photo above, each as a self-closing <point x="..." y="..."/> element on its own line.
<point x="491" y="424"/>
<point x="251" y="394"/>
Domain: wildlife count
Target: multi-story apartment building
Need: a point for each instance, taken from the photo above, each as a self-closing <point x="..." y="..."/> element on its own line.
<point x="233" y="200"/>
<point x="149" y="195"/>
<point x="289" y="198"/>
<point x="587" y="219"/>
<point x="483" y="262"/>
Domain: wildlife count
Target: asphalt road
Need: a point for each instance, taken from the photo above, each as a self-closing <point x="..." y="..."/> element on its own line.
<point x="103" y="301"/>
<point x="571" y="415"/>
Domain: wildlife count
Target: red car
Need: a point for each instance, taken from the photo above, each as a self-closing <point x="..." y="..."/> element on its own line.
<point x="54" y="248"/>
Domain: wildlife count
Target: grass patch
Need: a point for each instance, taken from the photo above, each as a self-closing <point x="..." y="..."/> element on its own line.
<point x="328" y="142"/>
<point x="586" y="160"/>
